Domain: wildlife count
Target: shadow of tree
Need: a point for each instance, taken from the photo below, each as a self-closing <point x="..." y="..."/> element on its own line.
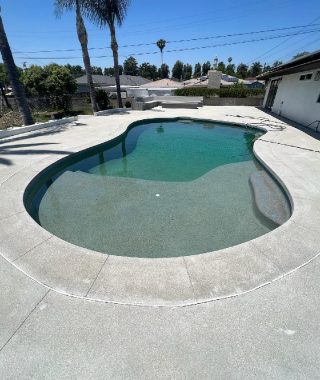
<point x="8" y="146"/>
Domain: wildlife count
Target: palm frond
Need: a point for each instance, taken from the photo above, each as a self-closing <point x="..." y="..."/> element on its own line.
<point x="68" y="5"/>
<point x="103" y="12"/>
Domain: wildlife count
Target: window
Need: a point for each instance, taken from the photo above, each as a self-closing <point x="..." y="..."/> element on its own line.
<point x="317" y="76"/>
<point x="318" y="99"/>
<point x="305" y="77"/>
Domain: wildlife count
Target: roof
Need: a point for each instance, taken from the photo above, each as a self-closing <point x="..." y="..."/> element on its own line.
<point x="103" y="80"/>
<point x="163" y="83"/>
<point x="306" y="62"/>
<point x="195" y="82"/>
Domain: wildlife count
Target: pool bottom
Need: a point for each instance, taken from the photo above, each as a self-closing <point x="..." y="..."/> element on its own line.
<point x="162" y="219"/>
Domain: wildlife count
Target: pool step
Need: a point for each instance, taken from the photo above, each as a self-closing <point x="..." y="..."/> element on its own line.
<point x="269" y="198"/>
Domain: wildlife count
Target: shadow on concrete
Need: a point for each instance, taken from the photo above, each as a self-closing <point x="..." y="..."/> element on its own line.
<point x="48" y="131"/>
<point x="309" y="131"/>
<point x="8" y="146"/>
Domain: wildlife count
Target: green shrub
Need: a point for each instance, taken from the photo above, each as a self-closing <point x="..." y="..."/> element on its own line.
<point x="53" y="81"/>
<point x="102" y="99"/>
<point x="236" y="91"/>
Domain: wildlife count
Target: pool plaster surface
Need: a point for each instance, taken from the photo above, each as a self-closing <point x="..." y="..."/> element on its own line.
<point x="68" y="312"/>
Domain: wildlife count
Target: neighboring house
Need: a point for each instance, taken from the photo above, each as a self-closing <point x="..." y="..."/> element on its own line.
<point x="225" y="81"/>
<point x="196" y="82"/>
<point x="161" y="87"/>
<point x="249" y="83"/>
<point x="109" y="83"/>
<point x="293" y="90"/>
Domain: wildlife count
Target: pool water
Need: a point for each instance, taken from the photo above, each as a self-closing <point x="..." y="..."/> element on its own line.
<point x="163" y="189"/>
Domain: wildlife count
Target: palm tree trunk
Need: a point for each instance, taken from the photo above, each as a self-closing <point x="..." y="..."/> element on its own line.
<point x="114" y="47"/>
<point x="83" y="39"/>
<point x="17" y="87"/>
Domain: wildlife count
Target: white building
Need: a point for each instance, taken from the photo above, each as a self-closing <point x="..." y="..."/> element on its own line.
<point x="293" y="90"/>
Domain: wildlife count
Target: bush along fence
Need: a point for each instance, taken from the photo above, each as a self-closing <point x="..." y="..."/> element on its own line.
<point x="229" y="92"/>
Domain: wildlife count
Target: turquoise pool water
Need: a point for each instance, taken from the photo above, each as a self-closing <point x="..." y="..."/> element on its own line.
<point x="163" y="189"/>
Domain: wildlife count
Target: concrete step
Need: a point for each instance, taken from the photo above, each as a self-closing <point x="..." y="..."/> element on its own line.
<point x="269" y="198"/>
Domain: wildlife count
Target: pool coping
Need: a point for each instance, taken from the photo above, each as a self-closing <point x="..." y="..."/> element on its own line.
<point x="181" y="281"/>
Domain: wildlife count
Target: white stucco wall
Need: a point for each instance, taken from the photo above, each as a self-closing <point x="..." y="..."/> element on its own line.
<point x="297" y="99"/>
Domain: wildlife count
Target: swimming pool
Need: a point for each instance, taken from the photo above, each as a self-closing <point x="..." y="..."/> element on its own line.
<point x="165" y="188"/>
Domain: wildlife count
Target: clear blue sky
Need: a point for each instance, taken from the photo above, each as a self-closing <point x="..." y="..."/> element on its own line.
<point x="33" y="26"/>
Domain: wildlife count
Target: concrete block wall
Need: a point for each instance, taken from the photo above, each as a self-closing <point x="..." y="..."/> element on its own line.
<point x="216" y="101"/>
<point x="214" y="79"/>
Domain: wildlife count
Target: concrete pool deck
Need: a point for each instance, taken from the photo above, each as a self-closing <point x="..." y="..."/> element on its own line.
<point x="56" y="291"/>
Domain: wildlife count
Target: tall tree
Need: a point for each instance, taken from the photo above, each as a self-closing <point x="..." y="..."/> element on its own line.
<point x="242" y="71"/>
<point x="96" y="70"/>
<point x="108" y="71"/>
<point x="108" y="13"/>
<point x="205" y="68"/>
<point x="164" y="71"/>
<point x="230" y="69"/>
<point x="187" y="72"/>
<point x="255" y="69"/>
<point x="80" y="6"/>
<point x="13" y="75"/>
<point x="130" y="66"/>
<point x="266" y="68"/>
<point x="197" y="70"/>
<point x="161" y="45"/>
<point x="221" y="67"/>
<point x="75" y="70"/>
<point x="177" y="70"/>
<point x="146" y="70"/>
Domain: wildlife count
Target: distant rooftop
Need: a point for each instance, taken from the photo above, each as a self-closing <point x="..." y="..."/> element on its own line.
<point x="103" y="80"/>
<point x="163" y="83"/>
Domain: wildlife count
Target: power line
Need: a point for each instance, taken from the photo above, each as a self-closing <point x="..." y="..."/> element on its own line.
<point x="301" y="47"/>
<point x="283" y="42"/>
<point x="189" y="49"/>
<point x="173" y="41"/>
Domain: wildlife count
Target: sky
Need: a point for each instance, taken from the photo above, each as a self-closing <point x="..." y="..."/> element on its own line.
<point x="32" y="26"/>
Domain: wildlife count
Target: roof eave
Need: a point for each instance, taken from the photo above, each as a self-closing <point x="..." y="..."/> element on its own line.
<point x="290" y="70"/>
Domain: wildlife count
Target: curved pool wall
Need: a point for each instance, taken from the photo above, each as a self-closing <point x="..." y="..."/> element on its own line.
<point x="164" y="188"/>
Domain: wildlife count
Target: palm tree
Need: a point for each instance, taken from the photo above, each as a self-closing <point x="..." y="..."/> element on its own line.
<point x="109" y="12"/>
<point x="79" y="6"/>
<point x="16" y="85"/>
<point x="161" y="45"/>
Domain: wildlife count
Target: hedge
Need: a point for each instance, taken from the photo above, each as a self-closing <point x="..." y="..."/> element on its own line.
<point x="228" y="92"/>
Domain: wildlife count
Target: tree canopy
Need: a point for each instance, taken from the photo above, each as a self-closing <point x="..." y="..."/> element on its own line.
<point x="130" y="66"/>
<point x="206" y="67"/>
<point x="187" y="72"/>
<point x="242" y="71"/>
<point x="53" y="81"/>
<point x="197" y="70"/>
<point x="164" y="71"/>
<point x="177" y="70"/>
<point x="146" y="70"/>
